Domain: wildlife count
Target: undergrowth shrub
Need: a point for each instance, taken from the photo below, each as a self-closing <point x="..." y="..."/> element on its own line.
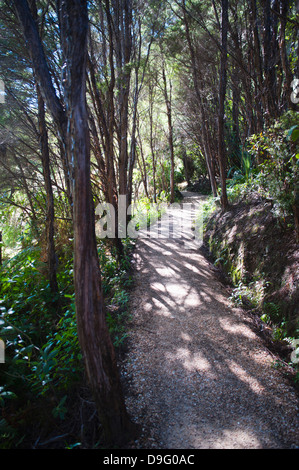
<point x="276" y="153"/>
<point x="271" y="178"/>
<point x="42" y="354"/>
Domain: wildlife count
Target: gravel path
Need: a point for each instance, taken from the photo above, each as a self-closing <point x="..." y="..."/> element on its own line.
<point x="197" y="376"/>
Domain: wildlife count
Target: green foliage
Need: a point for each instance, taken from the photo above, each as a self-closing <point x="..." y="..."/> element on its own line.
<point x="237" y="188"/>
<point x="242" y="173"/>
<point x="275" y="152"/>
<point x="58" y="365"/>
<point x="207" y="208"/>
<point x="30" y="323"/>
<point x="146" y="212"/>
<point x="116" y="282"/>
<point x="272" y="174"/>
<point x="42" y="354"/>
<point x="294" y="134"/>
<point x="25" y="291"/>
<point x="12" y="226"/>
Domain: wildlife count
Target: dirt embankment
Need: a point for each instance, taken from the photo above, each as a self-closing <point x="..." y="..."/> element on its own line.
<point x="259" y="252"/>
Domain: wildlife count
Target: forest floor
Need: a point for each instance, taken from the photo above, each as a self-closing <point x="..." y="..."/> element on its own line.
<point x="196" y="373"/>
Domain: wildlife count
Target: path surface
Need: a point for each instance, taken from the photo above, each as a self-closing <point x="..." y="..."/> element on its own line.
<point x="198" y="376"/>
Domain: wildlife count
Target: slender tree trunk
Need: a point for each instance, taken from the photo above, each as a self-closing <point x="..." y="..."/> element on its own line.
<point x="94" y="338"/>
<point x="222" y="92"/>
<point x="142" y="164"/>
<point x="106" y="124"/>
<point x="97" y="348"/>
<point x="45" y="157"/>
<point x="297" y="65"/>
<point x="121" y="25"/>
<point x="133" y="142"/>
<point x="187" y="165"/>
<point x="30" y="201"/>
<point x="195" y="73"/>
<point x="284" y="7"/>
<point x="138" y="86"/>
<point x="163" y="176"/>
<point x="269" y="62"/>
<point x="167" y="96"/>
<point x="296" y="211"/>
<point x="151" y="104"/>
<point x="43" y="134"/>
<point x="154" y="172"/>
<point x="257" y="67"/>
<point x="235" y="118"/>
<point x="0" y="248"/>
<point x="143" y="176"/>
<point x="111" y="114"/>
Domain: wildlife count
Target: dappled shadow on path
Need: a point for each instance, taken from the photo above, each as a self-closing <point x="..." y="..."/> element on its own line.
<point x="201" y="376"/>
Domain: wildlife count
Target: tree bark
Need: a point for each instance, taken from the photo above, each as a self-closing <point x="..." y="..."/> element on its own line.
<point x="167" y="97"/>
<point x="257" y="66"/>
<point x="138" y="87"/>
<point x="121" y="27"/>
<point x="0" y="248"/>
<point x="151" y="105"/>
<point x="235" y="119"/>
<point x="43" y="135"/>
<point x="96" y="345"/>
<point x="206" y="146"/>
<point x="142" y="164"/>
<point x="222" y="93"/>
<point x="284" y="7"/>
<point x="297" y="65"/>
<point x="269" y="62"/>
<point x="97" y="348"/>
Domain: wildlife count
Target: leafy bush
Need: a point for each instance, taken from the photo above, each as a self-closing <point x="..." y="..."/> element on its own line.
<point x="276" y="154"/>
<point x="42" y="355"/>
<point x="59" y="365"/>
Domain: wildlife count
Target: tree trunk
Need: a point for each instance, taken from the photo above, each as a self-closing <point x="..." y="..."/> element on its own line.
<point x="121" y="25"/>
<point x="167" y="96"/>
<point x="284" y="7"/>
<point x="297" y="65"/>
<point x="222" y="92"/>
<point x="45" y="157"/>
<point x="296" y="211"/>
<point x="142" y="165"/>
<point x="269" y="63"/>
<point x="51" y="255"/>
<point x="257" y="67"/>
<point x="97" y="348"/>
<point x="133" y="142"/>
<point x="235" y="120"/>
<point x="0" y="248"/>
<point x="195" y="73"/>
<point x="94" y="338"/>
<point x="138" y="86"/>
<point x="106" y="124"/>
<point x="151" y="104"/>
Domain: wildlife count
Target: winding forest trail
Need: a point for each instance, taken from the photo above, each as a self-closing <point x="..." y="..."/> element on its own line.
<point x="196" y="374"/>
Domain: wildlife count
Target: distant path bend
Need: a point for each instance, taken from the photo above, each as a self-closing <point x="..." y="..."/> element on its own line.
<point x="197" y="375"/>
